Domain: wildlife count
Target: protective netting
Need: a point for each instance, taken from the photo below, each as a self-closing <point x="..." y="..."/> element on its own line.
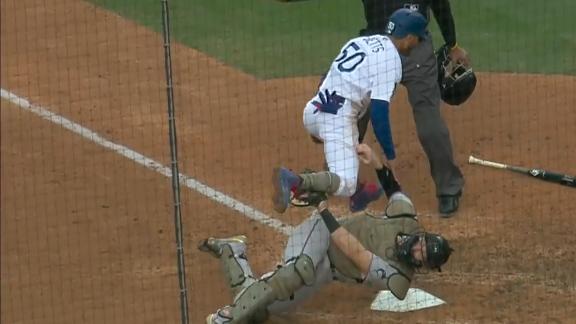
<point x="87" y="226"/>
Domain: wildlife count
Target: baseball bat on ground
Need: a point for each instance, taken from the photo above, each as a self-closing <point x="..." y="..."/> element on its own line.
<point x="545" y="175"/>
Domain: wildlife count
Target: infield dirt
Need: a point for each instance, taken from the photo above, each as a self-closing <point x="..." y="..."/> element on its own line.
<point x="88" y="236"/>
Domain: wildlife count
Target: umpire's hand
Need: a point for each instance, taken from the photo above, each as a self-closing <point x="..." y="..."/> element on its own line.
<point x="460" y="55"/>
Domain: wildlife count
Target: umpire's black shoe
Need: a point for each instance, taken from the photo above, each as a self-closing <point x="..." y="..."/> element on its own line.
<point x="448" y="204"/>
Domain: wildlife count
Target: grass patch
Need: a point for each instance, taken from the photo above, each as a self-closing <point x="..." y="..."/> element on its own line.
<point x="271" y="39"/>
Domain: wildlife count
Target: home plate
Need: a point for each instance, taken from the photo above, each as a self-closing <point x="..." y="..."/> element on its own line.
<point x="415" y="299"/>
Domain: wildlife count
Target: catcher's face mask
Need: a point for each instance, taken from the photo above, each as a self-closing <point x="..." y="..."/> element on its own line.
<point x="424" y="251"/>
<point x="457" y="82"/>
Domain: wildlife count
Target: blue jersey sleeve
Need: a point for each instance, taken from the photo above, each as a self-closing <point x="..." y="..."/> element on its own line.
<point x="380" y="117"/>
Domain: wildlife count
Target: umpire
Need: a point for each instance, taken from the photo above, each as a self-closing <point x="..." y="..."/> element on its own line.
<point x="420" y="77"/>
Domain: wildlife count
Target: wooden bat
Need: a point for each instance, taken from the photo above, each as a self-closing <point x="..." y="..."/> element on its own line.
<point x="545" y="175"/>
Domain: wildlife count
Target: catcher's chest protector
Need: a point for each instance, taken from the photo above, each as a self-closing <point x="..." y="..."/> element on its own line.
<point x="378" y="235"/>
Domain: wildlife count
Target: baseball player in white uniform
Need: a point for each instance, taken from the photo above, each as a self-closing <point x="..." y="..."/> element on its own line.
<point x="363" y="75"/>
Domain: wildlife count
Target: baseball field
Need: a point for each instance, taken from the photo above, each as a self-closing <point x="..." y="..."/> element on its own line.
<point x="87" y="213"/>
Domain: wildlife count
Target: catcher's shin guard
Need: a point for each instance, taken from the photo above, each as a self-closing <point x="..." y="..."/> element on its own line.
<point x="231" y="252"/>
<point x="306" y="198"/>
<point x="323" y="181"/>
<point x="291" y="276"/>
<point x="250" y="305"/>
<point x="252" y="302"/>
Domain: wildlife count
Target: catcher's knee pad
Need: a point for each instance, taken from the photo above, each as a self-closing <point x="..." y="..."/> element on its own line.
<point x="288" y="278"/>
<point x="252" y="302"/>
<point x="235" y="273"/>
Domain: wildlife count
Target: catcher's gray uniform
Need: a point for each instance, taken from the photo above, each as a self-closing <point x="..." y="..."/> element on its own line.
<point x="310" y="262"/>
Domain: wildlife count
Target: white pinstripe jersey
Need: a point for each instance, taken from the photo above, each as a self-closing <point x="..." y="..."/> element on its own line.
<point x="367" y="67"/>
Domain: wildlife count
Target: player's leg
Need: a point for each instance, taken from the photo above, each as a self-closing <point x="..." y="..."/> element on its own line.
<point x="310" y="240"/>
<point x="323" y="276"/>
<point x="340" y="142"/>
<point x="363" y="125"/>
<point x="340" y="136"/>
<point x="420" y="79"/>
<point x="305" y="267"/>
<point x="285" y="181"/>
<point x="339" y="133"/>
<point x="232" y="255"/>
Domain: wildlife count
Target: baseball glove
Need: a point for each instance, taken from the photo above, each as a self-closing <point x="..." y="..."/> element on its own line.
<point x="307" y="199"/>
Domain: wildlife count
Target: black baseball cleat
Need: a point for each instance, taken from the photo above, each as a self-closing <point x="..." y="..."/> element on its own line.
<point x="448" y="204"/>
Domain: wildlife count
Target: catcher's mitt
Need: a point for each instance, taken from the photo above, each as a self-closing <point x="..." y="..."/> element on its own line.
<point x="307" y="199"/>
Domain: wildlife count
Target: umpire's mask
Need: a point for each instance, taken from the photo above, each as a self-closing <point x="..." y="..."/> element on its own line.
<point x="456" y="81"/>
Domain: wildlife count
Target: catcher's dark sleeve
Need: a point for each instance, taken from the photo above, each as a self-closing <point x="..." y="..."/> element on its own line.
<point x="331" y="222"/>
<point x="443" y="14"/>
<point x="387" y="181"/>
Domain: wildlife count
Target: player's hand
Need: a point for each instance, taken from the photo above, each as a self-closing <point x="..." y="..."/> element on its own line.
<point x="322" y="205"/>
<point x="367" y="156"/>
<point x="329" y="102"/>
<point x="460" y="55"/>
<point x="365" y="153"/>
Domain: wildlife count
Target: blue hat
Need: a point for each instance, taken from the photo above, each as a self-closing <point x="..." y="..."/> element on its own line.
<point x="404" y="22"/>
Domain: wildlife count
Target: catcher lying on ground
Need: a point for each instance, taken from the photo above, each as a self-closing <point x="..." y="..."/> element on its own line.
<point x="378" y="251"/>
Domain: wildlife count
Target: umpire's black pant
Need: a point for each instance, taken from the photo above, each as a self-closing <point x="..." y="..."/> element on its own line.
<point x="420" y="77"/>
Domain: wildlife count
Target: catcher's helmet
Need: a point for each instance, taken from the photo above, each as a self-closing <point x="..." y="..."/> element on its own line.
<point x="456" y="81"/>
<point x="437" y="250"/>
<point x="400" y="205"/>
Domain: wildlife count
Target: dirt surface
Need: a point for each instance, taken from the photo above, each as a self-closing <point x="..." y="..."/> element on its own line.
<point x="88" y="235"/>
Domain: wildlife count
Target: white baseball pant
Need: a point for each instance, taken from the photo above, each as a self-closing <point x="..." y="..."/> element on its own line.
<point x="340" y="136"/>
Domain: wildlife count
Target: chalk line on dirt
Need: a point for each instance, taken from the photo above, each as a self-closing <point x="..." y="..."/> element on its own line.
<point x="191" y="183"/>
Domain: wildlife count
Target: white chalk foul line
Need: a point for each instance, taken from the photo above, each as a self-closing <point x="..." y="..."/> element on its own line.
<point x="149" y="163"/>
